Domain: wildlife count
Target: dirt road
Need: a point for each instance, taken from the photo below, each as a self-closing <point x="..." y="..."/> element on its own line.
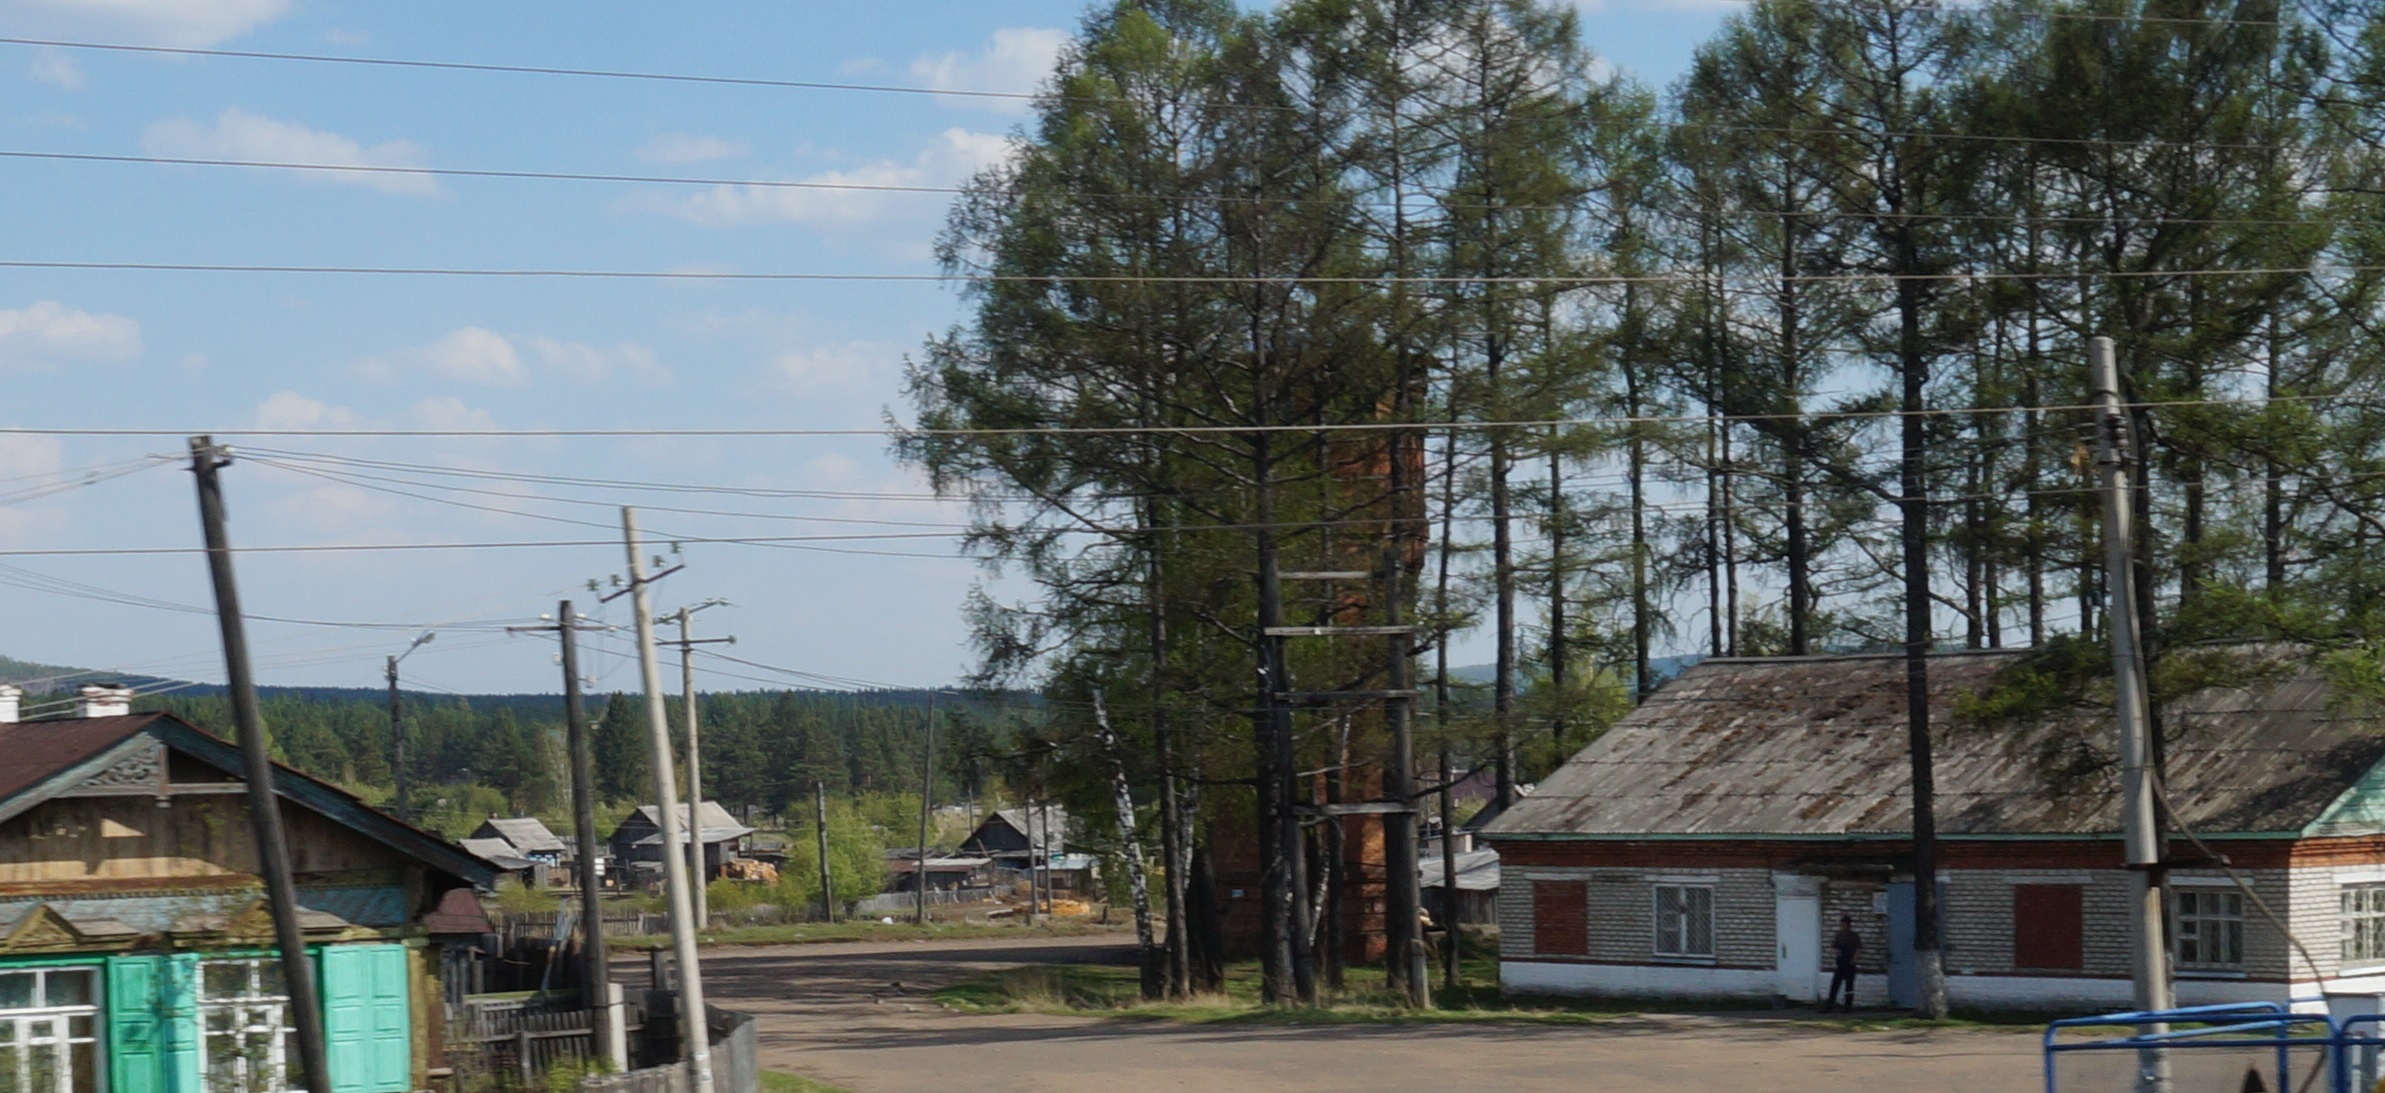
<point x="836" y="1013"/>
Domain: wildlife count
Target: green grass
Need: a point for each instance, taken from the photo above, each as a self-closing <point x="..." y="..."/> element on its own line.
<point x="776" y="1082"/>
<point x="802" y="933"/>
<point x="1111" y="991"/>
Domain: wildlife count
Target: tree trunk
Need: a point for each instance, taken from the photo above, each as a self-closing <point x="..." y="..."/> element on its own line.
<point x="1154" y="979"/>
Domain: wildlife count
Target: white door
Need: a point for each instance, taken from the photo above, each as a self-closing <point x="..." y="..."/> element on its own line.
<point x="1797" y="930"/>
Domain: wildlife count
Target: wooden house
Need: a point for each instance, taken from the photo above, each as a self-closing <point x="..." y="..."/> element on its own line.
<point x="1710" y="842"/>
<point x="136" y="951"/>
<point x="637" y="843"/>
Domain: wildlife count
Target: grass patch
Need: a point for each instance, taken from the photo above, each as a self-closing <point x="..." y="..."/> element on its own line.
<point x="1111" y="991"/>
<point x="804" y="933"/>
<point x="774" y="1081"/>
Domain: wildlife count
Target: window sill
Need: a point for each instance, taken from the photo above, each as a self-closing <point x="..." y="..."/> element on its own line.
<point x="1689" y="961"/>
<point x="2358" y="971"/>
<point x="2210" y="973"/>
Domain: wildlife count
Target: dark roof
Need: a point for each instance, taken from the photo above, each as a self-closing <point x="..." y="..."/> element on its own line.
<point x="31" y="751"/>
<point x="719" y="826"/>
<point x="1029" y="823"/>
<point x="1816" y="747"/>
<point x="40" y="759"/>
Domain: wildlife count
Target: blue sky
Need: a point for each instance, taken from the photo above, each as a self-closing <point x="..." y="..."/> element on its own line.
<point x="189" y="351"/>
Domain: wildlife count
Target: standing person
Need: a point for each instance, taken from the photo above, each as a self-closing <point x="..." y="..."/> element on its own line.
<point x="1847" y="944"/>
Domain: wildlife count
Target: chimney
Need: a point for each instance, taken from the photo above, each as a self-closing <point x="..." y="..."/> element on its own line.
<point x="100" y="700"/>
<point x="10" y="696"/>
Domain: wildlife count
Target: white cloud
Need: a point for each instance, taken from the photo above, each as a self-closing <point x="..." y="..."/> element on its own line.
<point x="474" y="355"/>
<point x="594" y="364"/>
<point x="56" y="69"/>
<point x="688" y="148"/>
<point x="485" y="358"/>
<point x="838" y="368"/>
<point x="450" y="412"/>
<point x="146" y="22"/>
<point x="238" y="134"/>
<point x="49" y="334"/>
<point x="1018" y="59"/>
<point x="952" y="157"/>
<point x="291" y="410"/>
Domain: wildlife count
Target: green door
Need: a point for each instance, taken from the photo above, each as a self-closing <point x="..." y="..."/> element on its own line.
<point x="153" y="1036"/>
<point x="367" y="1018"/>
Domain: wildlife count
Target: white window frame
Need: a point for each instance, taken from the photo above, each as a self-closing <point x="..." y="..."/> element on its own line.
<point x="44" y="1027"/>
<point x="2362" y="906"/>
<point x="2214" y="909"/>
<point x="252" y="1013"/>
<point x="1676" y="927"/>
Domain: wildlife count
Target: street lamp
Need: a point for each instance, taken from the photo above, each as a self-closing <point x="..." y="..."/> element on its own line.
<point x="397" y="735"/>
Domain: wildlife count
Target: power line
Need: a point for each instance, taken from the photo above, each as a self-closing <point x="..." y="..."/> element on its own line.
<point x="1422" y="427"/>
<point x="1230" y="199"/>
<point x="1252" y="280"/>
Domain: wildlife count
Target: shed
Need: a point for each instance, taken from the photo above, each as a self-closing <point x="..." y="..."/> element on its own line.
<point x="1475" y="895"/>
<point x="638" y="841"/>
<point x="529" y="838"/>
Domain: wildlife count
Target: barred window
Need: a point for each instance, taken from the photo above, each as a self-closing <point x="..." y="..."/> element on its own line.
<point x="2210" y="928"/>
<point x="1684" y="920"/>
<point x="2364" y="924"/>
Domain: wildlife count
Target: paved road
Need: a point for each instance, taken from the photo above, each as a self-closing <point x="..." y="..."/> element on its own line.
<point x="834" y="1012"/>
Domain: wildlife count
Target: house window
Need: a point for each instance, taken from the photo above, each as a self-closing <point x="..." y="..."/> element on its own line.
<point x="1685" y="920"/>
<point x="2210" y="928"/>
<point x="2364" y="924"/>
<point x="245" y="1013"/>
<point x="2047" y="927"/>
<point x="49" y="1030"/>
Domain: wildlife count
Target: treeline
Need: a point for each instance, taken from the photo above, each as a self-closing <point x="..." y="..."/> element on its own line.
<point x="1786" y="358"/>
<point x="762" y="750"/>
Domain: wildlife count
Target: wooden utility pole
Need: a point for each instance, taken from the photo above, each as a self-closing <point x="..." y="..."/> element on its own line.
<point x="927" y="790"/>
<point x="596" y="974"/>
<point x="675" y="872"/>
<point x="256" y="767"/>
<point x="820" y="827"/>
<point x="2139" y="828"/>
<point x="696" y="865"/>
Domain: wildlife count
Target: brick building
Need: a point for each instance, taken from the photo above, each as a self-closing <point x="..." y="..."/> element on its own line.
<point x="1707" y="845"/>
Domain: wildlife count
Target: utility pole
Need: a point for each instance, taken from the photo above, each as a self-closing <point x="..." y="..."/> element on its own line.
<point x="695" y="764"/>
<point x="675" y="872"/>
<point x="820" y="827"/>
<point x="256" y="767"/>
<point x="927" y="786"/>
<point x="595" y="966"/>
<point x="2138" y="827"/>
<point x="397" y="731"/>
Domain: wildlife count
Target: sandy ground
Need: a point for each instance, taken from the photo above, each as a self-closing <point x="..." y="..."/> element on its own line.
<point x="856" y="1015"/>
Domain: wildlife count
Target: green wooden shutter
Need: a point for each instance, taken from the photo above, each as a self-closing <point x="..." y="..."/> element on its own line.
<point x="136" y="1032"/>
<point x="178" y="1010"/>
<point x="367" y="1018"/>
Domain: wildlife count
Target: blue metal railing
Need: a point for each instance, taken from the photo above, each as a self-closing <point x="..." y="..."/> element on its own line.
<point x="2269" y="1026"/>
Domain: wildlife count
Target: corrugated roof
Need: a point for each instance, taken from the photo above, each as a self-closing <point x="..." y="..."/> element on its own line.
<point x="496" y="852"/>
<point x="1816" y="746"/>
<point x="526" y="833"/>
<point x="1477" y="871"/>
<point x="719" y="826"/>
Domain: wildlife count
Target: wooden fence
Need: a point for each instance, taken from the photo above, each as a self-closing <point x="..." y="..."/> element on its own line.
<point x="517" y="1039"/>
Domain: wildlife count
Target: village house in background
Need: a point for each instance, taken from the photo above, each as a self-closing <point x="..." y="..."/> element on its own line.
<point x="1709" y="842"/>
<point x="530" y="839"/>
<point x="637" y="843"/>
<point x="1030" y="845"/>
<point x="135" y="943"/>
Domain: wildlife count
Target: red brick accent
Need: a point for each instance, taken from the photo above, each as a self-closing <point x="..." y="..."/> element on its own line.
<point x="2048" y="927"/>
<point x="1560" y="917"/>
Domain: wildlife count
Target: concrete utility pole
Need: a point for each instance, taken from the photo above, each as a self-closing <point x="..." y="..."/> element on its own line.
<point x="2139" y="828"/>
<point x="820" y="828"/>
<point x="927" y="790"/>
<point x="256" y="768"/>
<point x="695" y="763"/>
<point x="397" y="731"/>
<point x="675" y="871"/>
